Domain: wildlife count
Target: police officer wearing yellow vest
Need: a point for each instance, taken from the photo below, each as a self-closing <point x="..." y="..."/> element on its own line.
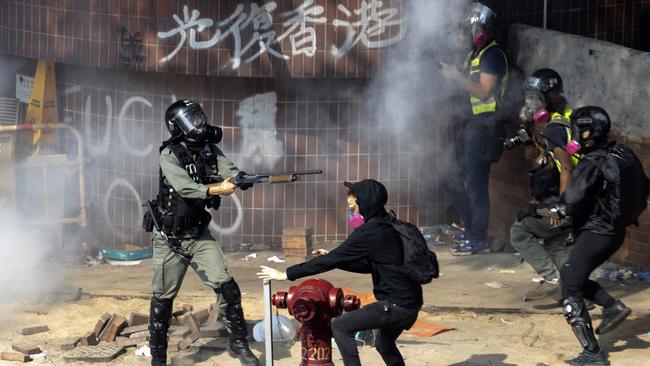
<point x="541" y="240"/>
<point x="185" y="191"/>
<point x="484" y="78"/>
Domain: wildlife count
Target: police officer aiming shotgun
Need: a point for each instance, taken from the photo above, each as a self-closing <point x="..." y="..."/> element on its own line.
<point x="194" y="175"/>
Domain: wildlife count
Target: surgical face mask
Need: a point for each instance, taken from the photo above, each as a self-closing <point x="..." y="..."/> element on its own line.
<point x="535" y="108"/>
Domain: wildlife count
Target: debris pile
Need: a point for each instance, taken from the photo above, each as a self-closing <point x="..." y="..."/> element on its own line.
<point x="114" y="333"/>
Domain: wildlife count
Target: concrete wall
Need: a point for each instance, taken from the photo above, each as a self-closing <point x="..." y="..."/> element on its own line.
<point x="594" y="72"/>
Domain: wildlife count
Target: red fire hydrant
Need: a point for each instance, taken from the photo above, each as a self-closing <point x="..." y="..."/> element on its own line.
<point x="314" y="303"/>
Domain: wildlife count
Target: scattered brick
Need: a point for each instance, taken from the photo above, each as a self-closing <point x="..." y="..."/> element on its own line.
<point x="113" y="328"/>
<point x="138" y="319"/>
<point x="188" y="319"/>
<point x="130" y="342"/>
<point x="101" y="323"/>
<point x="89" y="339"/>
<point x="144" y="333"/>
<point x="213" y="317"/>
<point x="26" y="349"/>
<point x="14" y="356"/>
<point x="69" y="343"/>
<point x="214" y="332"/>
<point x="188" y="307"/>
<point x="201" y="315"/>
<point x="34" y="330"/>
<point x="134" y="329"/>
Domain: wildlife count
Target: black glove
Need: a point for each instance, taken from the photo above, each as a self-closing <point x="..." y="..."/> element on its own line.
<point x="528" y="211"/>
<point x="243" y="186"/>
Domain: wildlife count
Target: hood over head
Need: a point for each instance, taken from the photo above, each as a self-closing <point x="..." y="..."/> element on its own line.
<point x="371" y="197"/>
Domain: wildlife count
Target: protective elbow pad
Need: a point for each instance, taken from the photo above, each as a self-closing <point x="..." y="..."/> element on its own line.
<point x="230" y="292"/>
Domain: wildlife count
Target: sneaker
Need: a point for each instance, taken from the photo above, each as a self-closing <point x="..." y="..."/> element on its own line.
<point x="587" y="358"/>
<point x="613" y="316"/>
<point x="471" y="247"/>
<point x="460" y="238"/>
<point x="542" y="290"/>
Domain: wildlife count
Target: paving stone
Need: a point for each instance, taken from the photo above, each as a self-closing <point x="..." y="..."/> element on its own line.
<point x="144" y="333"/>
<point x="112" y="328"/>
<point x="202" y="315"/>
<point x="188" y="319"/>
<point x="130" y="342"/>
<point x="214" y="316"/>
<point x="214" y="332"/>
<point x="33" y="330"/>
<point x="101" y="353"/>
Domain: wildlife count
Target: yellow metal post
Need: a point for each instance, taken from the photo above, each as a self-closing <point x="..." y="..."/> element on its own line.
<point x="42" y="107"/>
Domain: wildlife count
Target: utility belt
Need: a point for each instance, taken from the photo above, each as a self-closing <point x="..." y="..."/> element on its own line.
<point x="172" y="224"/>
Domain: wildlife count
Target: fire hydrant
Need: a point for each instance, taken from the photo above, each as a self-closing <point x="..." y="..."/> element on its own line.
<point x="314" y="303"/>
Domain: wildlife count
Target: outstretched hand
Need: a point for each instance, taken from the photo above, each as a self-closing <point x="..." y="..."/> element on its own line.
<point x="269" y="273"/>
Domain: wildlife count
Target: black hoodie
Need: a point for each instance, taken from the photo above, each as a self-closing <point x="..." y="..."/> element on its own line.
<point x="373" y="248"/>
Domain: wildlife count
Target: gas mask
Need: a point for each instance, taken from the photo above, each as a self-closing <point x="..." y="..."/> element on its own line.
<point x="535" y="107"/>
<point x="355" y="220"/>
<point x="480" y="15"/>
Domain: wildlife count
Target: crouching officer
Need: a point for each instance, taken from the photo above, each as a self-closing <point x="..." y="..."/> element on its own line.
<point x="541" y="240"/>
<point x="186" y="160"/>
<point x="608" y="192"/>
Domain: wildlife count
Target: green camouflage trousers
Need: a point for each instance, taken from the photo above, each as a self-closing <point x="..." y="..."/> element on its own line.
<point x="541" y="244"/>
<point x="169" y="270"/>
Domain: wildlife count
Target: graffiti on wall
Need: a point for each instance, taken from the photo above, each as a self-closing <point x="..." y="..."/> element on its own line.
<point x="372" y="24"/>
<point x="260" y="145"/>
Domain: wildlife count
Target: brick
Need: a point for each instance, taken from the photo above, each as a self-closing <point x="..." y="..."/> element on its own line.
<point x="69" y="343"/>
<point x="89" y="339"/>
<point x="33" y="330"/>
<point x="131" y="342"/>
<point x="179" y="335"/>
<point x="188" y="307"/>
<point x="177" y="313"/>
<point x="112" y="328"/>
<point x="202" y="315"/>
<point x="144" y="333"/>
<point x="14" y="356"/>
<point x="189" y="320"/>
<point x="27" y="349"/>
<point x="214" y="332"/>
<point x="214" y="316"/>
<point x="138" y="319"/>
<point x="101" y="323"/>
<point x="134" y="329"/>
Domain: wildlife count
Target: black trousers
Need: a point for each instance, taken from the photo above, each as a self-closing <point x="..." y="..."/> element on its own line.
<point x="590" y="251"/>
<point x="390" y="319"/>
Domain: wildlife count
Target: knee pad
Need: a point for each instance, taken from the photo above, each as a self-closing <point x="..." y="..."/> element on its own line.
<point x="576" y="314"/>
<point x="160" y="310"/>
<point x="230" y="292"/>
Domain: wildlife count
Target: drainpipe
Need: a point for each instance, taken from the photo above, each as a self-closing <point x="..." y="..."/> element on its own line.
<point x="545" y="14"/>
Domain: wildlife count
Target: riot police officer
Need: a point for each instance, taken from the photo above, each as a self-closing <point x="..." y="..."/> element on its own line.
<point x="187" y="159"/>
<point x="608" y="192"/>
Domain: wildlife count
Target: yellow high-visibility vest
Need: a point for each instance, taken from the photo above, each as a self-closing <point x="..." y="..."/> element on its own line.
<point x="472" y="65"/>
<point x="565" y="121"/>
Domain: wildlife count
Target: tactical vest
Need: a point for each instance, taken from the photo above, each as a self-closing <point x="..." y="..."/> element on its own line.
<point x="564" y="121"/>
<point x="177" y="213"/>
<point x="472" y="67"/>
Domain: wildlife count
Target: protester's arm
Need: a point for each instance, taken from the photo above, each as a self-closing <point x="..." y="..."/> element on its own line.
<point x="566" y="172"/>
<point x="585" y="177"/>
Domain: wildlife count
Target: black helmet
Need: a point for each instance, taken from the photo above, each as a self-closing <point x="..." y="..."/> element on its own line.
<point x="592" y="119"/>
<point x="544" y="81"/>
<point x="186" y="117"/>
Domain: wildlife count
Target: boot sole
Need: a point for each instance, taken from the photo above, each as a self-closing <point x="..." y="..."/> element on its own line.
<point x="614" y="323"/>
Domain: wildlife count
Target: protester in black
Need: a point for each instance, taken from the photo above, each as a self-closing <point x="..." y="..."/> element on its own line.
<point x="607" y="193"/>
<point x="374" y="247"/>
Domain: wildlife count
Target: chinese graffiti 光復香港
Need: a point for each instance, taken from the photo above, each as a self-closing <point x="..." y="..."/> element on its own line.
<point x="371" y="28"/>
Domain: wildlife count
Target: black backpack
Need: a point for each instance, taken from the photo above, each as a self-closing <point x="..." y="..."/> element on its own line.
<point x="627" y="185"/>
<point x="420" y="263"/>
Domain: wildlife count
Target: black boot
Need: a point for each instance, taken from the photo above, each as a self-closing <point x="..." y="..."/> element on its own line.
<point x="236" y="324"/>
<point x="587" y="358"/>
<point x="159" y="314"/>
<point x="613" y="316"/>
